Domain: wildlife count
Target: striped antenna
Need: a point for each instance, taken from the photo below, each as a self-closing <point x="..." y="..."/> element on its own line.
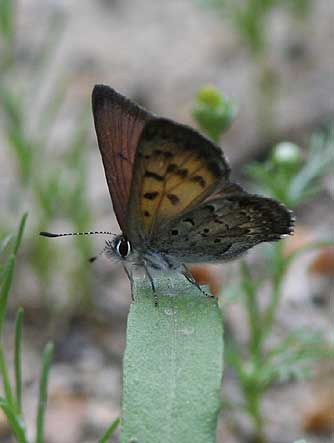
<point x="52" y="235"/>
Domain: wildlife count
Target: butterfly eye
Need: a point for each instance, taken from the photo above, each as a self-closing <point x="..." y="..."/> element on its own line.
<point x="123" y="248"/>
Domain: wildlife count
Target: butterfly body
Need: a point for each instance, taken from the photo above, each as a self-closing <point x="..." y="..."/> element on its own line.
<point x="144" y="257"/>
<point x="172" y="195"/>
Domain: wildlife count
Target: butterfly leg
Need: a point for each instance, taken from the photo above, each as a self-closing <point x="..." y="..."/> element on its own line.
<point x="149" y="275"/>
<point x="130" y="277"/>
<point x="188" y="275"/>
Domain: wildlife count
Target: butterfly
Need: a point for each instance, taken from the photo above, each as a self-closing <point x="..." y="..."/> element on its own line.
<point x="171" y="192"/>
<point x="172" y="195"/>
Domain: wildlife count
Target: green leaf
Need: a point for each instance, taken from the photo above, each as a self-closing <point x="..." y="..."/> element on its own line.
<point x="173" y="365"/>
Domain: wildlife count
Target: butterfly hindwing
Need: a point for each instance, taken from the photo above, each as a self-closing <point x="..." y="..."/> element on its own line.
<point x="118" y="123"/>
<point x="175" y="169"/>
<point x="224" y="227"/>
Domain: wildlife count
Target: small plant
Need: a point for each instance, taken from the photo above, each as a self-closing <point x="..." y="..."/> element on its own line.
<point x="11" y="400"/>
<point x="249" y="19"/>
<point x="292" y="178"/>
<point x="28" y="123"/>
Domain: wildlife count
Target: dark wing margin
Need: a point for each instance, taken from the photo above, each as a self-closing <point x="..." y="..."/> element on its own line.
<point x="118" y="124"/>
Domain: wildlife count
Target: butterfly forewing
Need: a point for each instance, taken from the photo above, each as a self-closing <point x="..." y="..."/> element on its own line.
<point x="118" y="123"/>
<point x="175" y="169"/>
<point x="171" y="192"/>
<point x="223" y="228"/>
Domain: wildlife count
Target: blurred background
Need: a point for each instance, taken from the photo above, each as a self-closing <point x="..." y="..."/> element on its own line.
<point x="268" y="65"/>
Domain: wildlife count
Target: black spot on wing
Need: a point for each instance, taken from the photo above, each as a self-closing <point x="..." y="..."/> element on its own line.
<point x="151" y="195"/>
<point x="200" y="180"/>
<point x="150" y="174"/>
<point x="182" y="172"/>
<point x="171" y="168"/>
<point x="174" y="199"/>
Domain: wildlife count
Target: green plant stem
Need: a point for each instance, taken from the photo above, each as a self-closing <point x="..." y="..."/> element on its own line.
<point x="254" y="409"/>
<point x="272" y="309"/>
<point x="280" y="267"/>
<point x="251" y="387"/>
<point x="250" y="382"/>
<point x="253" y="313"/>
<point x="266" y="90"/>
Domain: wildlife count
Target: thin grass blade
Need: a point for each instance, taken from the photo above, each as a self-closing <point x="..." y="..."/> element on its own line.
<point x="43" y="392"/>
<point x="15" y="423"/>
<point x="17" y="359"/>
<point x="111" y="429"/>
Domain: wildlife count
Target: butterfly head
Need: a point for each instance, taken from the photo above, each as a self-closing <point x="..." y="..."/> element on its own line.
<point x="119" y="248"/>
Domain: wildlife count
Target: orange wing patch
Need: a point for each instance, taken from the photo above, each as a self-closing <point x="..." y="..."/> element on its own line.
<point x="172" y="179"/>
<point x="173" y="171"/>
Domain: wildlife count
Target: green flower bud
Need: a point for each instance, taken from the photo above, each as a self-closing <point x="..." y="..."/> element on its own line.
<point x="213" y="112"/>
<point x="209" y="95"/>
